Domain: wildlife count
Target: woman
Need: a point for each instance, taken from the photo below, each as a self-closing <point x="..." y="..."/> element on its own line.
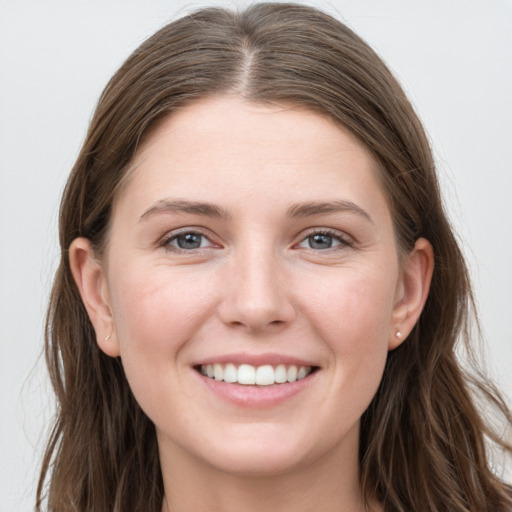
<point x="260" y="296"/>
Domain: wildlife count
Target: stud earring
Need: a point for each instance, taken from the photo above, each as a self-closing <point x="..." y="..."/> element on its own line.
<point x="108" y="337"/>
<point x="398" y="334"/>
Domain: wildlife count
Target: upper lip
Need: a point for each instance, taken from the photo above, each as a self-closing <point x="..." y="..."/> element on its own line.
<point x="255" y="360"/>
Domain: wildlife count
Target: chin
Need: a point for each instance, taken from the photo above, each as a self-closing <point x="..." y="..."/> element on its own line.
<point x="268" y="451"/>
<point x="258" y="462"/>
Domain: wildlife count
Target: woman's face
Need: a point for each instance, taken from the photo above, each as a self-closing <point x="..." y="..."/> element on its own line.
<point x="253" y="243"/>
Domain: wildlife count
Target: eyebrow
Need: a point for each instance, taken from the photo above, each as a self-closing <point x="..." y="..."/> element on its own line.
<point x="298" y="210"/>
<point x="321" y="207"/>
<point x="184" y="206"/>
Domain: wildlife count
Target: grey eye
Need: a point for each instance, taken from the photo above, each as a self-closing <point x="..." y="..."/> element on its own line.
<point x="189" y="241"/>
<point x="320" y="241"/>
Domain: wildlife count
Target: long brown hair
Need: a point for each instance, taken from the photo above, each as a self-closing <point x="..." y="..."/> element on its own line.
<point x="423" y="442"/>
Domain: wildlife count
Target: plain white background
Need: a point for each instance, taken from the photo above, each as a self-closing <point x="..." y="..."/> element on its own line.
<point x="454" y="59"/>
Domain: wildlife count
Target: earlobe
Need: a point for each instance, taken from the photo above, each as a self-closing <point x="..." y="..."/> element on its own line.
<point x="412" y="291"/>
<point x="90" y="279"/>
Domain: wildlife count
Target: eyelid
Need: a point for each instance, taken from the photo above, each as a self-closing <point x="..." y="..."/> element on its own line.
<point x="165" y="240"/>
<point x="344" y="239"/>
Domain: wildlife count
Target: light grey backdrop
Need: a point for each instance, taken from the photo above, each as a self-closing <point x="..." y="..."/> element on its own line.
<point x="453" y="57"/>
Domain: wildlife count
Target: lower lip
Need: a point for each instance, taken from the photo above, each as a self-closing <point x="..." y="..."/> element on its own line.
<point x="257" y="396"/>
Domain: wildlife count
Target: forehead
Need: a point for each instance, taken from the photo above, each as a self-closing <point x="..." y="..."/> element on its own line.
<point x="227" y="148"/>
<point x="209" y="120"/>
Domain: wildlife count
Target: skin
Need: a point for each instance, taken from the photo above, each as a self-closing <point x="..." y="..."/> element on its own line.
<point x="257" y="285"/>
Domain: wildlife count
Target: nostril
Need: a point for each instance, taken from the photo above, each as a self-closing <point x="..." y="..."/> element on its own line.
<point x="256" y="303"/>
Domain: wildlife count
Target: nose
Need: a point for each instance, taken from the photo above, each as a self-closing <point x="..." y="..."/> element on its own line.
<point x="256" y="297"/>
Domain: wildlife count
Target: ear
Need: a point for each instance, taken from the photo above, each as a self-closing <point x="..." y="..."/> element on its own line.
<point x="412" y="291"/>
<point x="91" y="281"/>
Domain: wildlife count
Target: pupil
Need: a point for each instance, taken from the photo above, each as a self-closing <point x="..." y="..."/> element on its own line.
<point x="320" y="241"/>
<point x="189" y="241"/>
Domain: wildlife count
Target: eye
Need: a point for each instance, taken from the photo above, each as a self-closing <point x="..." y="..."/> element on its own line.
<point x="187" y="241"/>
<point x="322" y="240"/>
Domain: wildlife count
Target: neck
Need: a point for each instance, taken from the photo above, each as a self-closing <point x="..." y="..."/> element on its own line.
<point x="328" y="484"/>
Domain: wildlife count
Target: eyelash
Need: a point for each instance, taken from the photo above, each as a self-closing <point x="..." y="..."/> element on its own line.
<point x="342" y="239"/>
<point x="167" y="240"/>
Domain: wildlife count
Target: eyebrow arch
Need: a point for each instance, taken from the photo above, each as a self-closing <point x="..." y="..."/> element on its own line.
<point x="321" y="207"/>
<point x="184" y="206"/>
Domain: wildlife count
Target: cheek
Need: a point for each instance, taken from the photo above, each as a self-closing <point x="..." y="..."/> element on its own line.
<point x="156" y="313"/>
<point x="354" y="306"/>
<point x="156" y="309"/>
<point x="354" y="318"/>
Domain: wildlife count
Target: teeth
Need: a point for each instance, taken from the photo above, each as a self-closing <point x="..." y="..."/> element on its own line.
<point x="301" y="373"/>
<point x="218" y="372"/>
<point x="280" y="374"/>
<point x="265" y="375"/>
<point x="291" y="374"/>
<point x="230" y="373"/>
<point x="247" y="374"/>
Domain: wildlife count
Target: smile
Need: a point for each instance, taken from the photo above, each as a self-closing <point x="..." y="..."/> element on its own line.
<point x="249" y="375"/>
